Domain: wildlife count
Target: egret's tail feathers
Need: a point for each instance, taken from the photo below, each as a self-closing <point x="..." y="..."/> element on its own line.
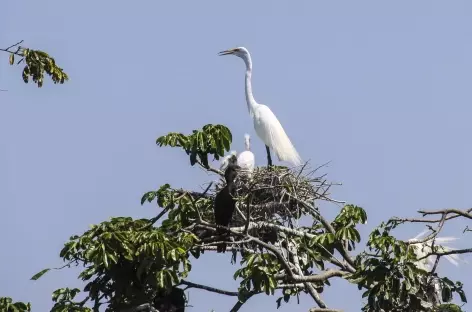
<point x="285" y="151"/>
<point x="446" y="239"/>
<point x="454" y="259"/>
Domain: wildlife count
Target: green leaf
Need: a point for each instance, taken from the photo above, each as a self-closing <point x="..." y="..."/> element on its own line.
<point x="21" y="306"/>
<point x="462" y="295"/>
<point x="39" y="274"/>
<point x="149" y="196"/>
<point x="279" y="302"/>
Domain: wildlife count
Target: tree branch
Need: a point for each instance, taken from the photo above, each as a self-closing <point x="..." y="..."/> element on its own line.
<point x="459" y="212"/>
<point x="445" y="253"/>
<point x="240" y="303"/>
<point x="209" y="288"/>
<point x="309" y="287"/>
<point x="418" y="220"/>
<point x="298" y="233"/>
<point x="146" y="307"/>
<point x="320" y="277"/>
<point x="430" y="236"/>
<point x="240" y="230"/>
<point x="342" y="250"/>
<point x="271" y="248"/>
<point x="211" y="169"/>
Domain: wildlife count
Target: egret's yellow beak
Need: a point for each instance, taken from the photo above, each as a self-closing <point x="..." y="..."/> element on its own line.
<point x="226" y="52"/>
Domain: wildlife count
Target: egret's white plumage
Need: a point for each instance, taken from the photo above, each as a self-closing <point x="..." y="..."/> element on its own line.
<point x="225" y="160"/>
<point x="422" y="249"/>
<point x="267" y="126"/>
<point x="246" y="159"/>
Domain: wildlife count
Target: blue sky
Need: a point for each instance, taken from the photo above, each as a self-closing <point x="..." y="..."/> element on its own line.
<point x="382" y="90"/>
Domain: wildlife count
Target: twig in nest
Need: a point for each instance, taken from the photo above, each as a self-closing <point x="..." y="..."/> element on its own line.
<point x="248" y="214"/>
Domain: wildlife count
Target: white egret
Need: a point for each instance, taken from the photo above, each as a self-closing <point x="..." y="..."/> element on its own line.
<point x="422" y="249"/>
<point x="246" y="159"/>
<point x="267" y="126"/>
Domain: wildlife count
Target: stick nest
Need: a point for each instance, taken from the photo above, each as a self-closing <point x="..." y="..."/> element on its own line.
<point x="277" y="194"/>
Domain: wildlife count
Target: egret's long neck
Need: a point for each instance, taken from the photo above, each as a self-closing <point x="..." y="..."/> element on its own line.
<point x="251" y="103"/>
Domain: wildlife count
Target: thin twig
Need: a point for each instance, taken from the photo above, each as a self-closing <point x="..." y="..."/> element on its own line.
<point x="13" y="45"/>
<point x="209" y="168"/>
<point x="240" y="303"/>
<point x="145" y="307"/>
<point x="432" y="235"/>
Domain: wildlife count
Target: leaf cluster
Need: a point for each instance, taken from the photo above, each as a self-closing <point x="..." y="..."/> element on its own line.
<point x="63" y="299"/>
<point x="211" y="140"/>
<point x="38" y="63"/>
<point x="258" y="275"/>
<point x="183" y="207"/>
<point x="7" y="305"/>
<point x="128" y="262"/>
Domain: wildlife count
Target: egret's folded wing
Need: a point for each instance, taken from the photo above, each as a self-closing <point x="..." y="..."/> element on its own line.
<point x="268" y="126"/>
<point x="246" y="160"/>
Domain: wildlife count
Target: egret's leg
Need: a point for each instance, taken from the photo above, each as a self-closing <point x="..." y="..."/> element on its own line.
<point x="269" y="159"/>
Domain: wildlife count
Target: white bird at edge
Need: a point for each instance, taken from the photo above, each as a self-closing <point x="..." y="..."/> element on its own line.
<point x="246" y="159"/>
<point x="427" y="264"/>
<point x="422" y="249"/>
<point x="267" y="126"/>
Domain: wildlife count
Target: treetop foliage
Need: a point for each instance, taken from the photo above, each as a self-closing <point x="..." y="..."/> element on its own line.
<point x="131" y="264"/>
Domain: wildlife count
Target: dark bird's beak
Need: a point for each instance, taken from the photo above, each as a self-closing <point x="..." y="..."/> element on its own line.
<point x="226" y="52"/>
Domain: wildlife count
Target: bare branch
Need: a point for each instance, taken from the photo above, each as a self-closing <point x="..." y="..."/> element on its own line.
<point x="12" y="46"/>
<point x="309" y="287"/>
<point x="418" y="220"/>
<point x="228" y="248"/>
<point x="459" y="212"/>
<point x="432" y="235"/>
<point x="211" y="169"/>
<point x="322" y="276"/>
<point x="209" y="288"/>
<point x="449" y="252"/>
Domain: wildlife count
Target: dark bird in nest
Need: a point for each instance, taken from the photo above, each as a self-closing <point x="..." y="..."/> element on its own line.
<point x="224" y="201"/>
<point x="174" y="301"/>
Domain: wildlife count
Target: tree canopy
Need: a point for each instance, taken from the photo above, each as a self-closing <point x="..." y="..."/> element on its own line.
<point x="280" y="242"/>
